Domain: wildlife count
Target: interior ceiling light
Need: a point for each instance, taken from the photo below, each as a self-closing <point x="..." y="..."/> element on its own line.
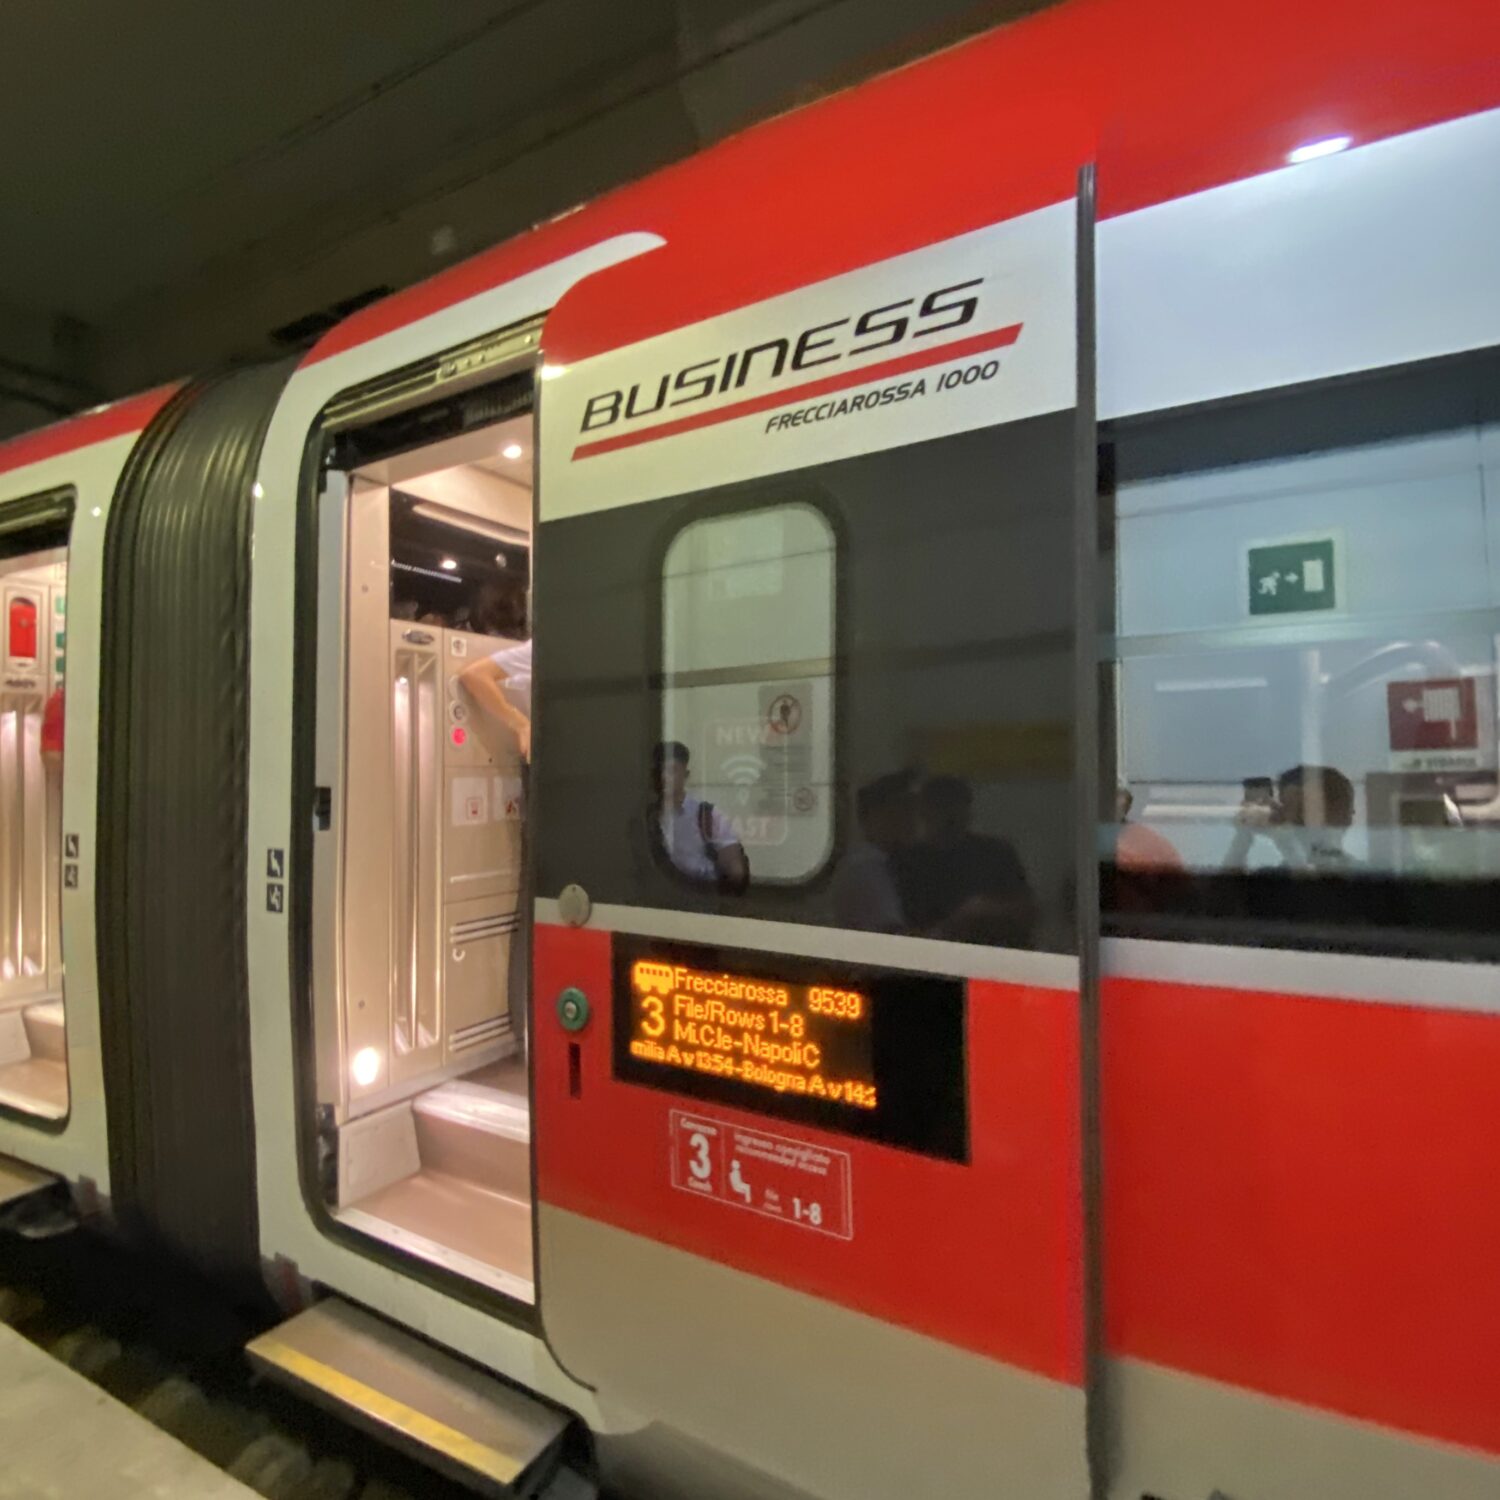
<point x="1329" y="146"/>
<point x="449" y="563"/>
<point x="511" y="450"/>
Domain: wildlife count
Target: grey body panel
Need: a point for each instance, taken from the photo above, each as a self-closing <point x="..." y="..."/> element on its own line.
<point x="1175" y="1434"/>
<point x="858" y="1410"/>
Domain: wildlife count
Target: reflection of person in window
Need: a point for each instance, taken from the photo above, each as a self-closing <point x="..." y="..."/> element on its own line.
<point x="1139" y="848"/>
<point x="966" y="886"/>
<point x="697" y="838"/>
<point x="865" y="893"/>
<point x="1305" y="821"/>
<point x="501" y="685"/>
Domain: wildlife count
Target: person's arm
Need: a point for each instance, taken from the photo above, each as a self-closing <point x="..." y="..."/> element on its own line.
<point x="483" y="680"/>
<point x="729" y="853"/>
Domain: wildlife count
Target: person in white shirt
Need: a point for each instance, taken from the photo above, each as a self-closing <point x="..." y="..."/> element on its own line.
<point x="697" y="838"/>
<point x="1304" y="822"/>
<point x="501" y="685"/>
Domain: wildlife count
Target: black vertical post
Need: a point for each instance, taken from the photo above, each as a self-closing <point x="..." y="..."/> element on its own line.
<point x="1087" y="606"/>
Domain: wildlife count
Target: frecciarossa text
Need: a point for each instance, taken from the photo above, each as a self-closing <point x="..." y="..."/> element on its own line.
<point x="880" y="328"/>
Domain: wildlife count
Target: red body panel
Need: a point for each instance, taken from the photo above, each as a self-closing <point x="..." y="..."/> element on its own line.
<point x="132" y="414"/>
<point x="987" y="1256"/>
<point x="1300" y="1197"/>
<point x="1167" y="97"/>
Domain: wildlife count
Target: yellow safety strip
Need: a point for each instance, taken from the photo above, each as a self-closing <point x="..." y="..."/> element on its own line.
<point x="405" y="1419"/>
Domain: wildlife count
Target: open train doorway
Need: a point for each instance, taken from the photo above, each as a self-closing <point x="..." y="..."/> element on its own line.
<point x="421" y="922"/>
<point x="33" y="620"/>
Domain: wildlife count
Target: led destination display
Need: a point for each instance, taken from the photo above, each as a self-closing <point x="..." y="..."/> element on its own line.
<point x="864" y="1051"/>
<point x="811" y="1040"/>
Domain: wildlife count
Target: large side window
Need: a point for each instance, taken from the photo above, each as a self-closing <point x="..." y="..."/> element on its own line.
<point x="1304" y="666"/>
<point x="746" y="751"/>
<point x="33" y="625"/>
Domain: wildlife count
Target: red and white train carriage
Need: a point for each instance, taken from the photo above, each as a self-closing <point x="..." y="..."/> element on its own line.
<point x="1107" y="404"/>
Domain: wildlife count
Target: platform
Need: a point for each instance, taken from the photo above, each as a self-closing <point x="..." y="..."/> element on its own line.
<point x="60" y="1437"/>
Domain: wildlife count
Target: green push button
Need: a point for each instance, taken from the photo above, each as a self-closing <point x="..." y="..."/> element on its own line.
<point x="573" y="1009"/>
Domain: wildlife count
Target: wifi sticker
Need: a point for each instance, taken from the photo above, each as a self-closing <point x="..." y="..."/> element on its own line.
<point x="742" y="771"/>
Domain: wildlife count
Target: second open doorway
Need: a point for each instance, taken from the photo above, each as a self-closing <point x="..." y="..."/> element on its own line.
<point x="423" y="1101"/>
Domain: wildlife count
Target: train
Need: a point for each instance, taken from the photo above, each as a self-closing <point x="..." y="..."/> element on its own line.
<point x="827" y="830"/>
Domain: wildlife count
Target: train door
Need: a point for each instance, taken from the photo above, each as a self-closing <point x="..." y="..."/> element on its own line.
<point x="423" y="1104"/>
<point x="808" y="1017"/>
<point x="33" y="620"/>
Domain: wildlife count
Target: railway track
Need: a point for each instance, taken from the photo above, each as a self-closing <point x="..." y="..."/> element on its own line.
<point x="171" y="1350"/>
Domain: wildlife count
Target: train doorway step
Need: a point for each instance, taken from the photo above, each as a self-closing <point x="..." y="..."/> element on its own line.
<point x="474" y="1429"/>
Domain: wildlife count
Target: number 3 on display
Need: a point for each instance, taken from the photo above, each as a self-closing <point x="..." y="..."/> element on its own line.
<point x="700" y="1164"/>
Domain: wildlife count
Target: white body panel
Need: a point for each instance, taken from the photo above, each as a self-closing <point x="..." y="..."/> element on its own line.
<point x="287" y="1229"/>
<point x="1021" y="271"/>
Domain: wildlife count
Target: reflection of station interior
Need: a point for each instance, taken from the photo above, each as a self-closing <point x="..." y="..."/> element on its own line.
<point x="33" y="1059"/>
<point x="1333" y="607"/>
<point x="423" y="1095"/>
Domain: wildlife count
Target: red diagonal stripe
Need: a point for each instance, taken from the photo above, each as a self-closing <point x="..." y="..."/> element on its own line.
<point x="980" y="343"/>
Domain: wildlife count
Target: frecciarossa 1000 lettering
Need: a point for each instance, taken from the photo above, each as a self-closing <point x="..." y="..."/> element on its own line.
<point x="894" y="323"/>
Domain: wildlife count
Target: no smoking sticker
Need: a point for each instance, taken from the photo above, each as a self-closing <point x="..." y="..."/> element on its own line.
<point x="784" y="715"/>
<point x="808" y="1186"/>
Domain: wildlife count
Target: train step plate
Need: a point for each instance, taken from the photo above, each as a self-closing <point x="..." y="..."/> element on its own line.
<point x="18" y="1181"/>
<point x="471" y="1427"/>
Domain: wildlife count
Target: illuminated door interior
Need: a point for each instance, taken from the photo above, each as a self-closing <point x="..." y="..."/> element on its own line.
<point x="33" y="1057"/>
<point x="423" y="1068"/>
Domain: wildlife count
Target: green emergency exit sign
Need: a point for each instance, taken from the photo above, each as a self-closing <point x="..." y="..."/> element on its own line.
<point x="1287" y="578"/>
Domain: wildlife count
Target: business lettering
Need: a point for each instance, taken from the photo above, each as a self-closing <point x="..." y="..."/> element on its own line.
<point x="763" y="364"/>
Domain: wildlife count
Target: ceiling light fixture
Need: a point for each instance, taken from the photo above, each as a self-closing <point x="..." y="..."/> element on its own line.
<point x="512" y="450"/>
<point x="449" y="564"/>
<point x="1328" y="146"/>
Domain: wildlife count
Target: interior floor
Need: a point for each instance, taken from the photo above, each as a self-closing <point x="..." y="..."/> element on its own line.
<point x="34" y="1059"/>
<point x="468" y="1205"/>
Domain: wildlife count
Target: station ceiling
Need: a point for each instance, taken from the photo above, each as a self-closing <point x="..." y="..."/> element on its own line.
<point x="186" y="181"/>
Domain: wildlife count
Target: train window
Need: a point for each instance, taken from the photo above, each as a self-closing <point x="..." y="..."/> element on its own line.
<point x="744" y="768"/>
<point x="869" y="666"/>
<point x="1303" y="673"/>
<point x="33" y="619"/>
<point x="424" y="741"/>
